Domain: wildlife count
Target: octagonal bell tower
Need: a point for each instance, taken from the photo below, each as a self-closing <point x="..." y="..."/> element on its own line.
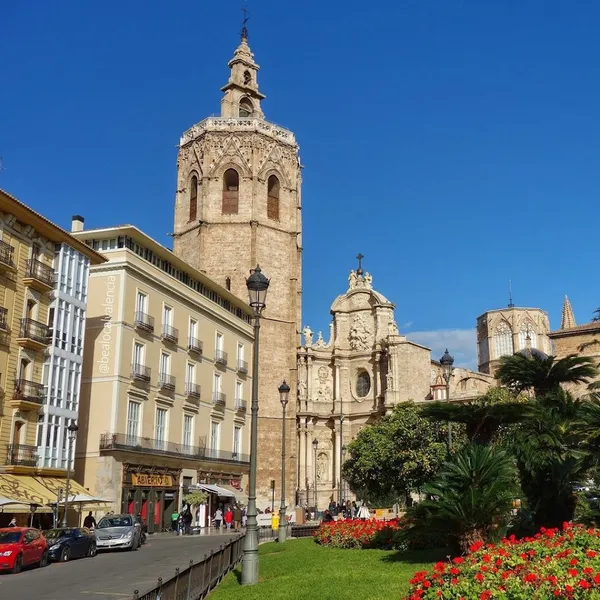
<point x="237" y="205"/>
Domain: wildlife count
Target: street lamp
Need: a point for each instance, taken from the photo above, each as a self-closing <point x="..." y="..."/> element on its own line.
<point x="447" y="361"/>
<point x="315" y="446"/>
<point x="72" y="429"/>
<point x="343" y="482"/>
<point x="257" y="285"/>
<point x="284" y="394"/>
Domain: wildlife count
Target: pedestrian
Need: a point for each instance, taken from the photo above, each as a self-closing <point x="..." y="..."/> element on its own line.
<point x="174" y="519"/>
<point x="13" y="522"/>
<point x="228" y="518"/>
<point x="328" y="517"/>
<point x="218" y="518"/>
<point x="244" y="517"/>
<point x="237" y="516"/>
<point x="187" y="521"/>
<point x="89" y="521"/>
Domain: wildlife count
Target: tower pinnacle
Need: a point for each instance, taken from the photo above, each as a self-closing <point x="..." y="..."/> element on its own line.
<point x="568" y="317"/>
<point x="244" y="30"/>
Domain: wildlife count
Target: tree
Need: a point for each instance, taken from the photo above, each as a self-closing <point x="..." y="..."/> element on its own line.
<point x="195" y="498"/>
<point x="470" y="499"/>
<point x="483" y="417"/>
<point x="398" y="454"/>
<point x="543" y="374"/>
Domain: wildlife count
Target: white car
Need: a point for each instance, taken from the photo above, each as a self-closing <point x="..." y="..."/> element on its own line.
<point x="118" y="532"/>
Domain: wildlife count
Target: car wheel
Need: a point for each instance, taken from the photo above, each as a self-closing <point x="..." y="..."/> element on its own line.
<point x="18" y="565"/>
<point x="65" y="555"/>
<point x="44" y="561"/>
<point x="92" y="551"/>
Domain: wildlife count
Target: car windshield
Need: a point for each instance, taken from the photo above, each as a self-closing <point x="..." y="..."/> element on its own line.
<point x="9" y="537"/>
<point x="54" y="534"/>
<point x="125" y="521"/>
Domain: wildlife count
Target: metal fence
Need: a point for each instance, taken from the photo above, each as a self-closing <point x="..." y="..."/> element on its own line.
<point x="300" y="531"/>
<point x="194" y="582"/>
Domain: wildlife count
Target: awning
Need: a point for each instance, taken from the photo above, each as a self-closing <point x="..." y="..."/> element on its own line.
<point x="29" y="490"/>
<point x="240" y="496"/>
<point x="215" y="489"/>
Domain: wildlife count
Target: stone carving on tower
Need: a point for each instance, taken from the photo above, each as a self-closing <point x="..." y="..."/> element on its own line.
<point x="237" y="204"/>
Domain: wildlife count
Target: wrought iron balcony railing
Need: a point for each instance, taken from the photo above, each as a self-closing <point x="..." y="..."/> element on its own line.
<point x="36" y="269"/>
<point x="241" y="405"/>
<point x="30" y="391"/>
<point x="3" y="319"/>
<point x="192" y="389"/>
<point x="242" y="366"/>
<point x="220" y="356"/>
<point x="7" y="255"/>
<point x="144" y="321"/>
<point x="194" y="345"/>
<point x="34" y="330"/>
<point x="141" y="372"/>
<point x="170" y="334"/>
<point x="166" y="381"/>
<point x="219" y="399"/>
<point x="22" y="455"/>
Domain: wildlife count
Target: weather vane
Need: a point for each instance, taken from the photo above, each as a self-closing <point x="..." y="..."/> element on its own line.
<point x="359" y="271"/>
<point x="244" y="32"/>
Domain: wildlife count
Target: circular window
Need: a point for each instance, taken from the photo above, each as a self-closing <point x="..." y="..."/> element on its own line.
<point x="363" y="384"/>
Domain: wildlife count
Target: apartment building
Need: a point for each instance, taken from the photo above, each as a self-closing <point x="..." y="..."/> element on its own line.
<point x="165" y="390"/>
<point x="43" y="293"/>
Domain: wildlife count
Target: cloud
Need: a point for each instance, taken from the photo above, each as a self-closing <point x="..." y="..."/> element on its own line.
<point x="406" y="325"/>
<point x="461" y="343"/>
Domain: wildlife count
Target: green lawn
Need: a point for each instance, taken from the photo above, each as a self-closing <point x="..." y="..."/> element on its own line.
<point x="301" y="569"/>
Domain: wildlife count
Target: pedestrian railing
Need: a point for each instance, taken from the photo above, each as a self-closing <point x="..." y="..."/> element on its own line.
<point x="300" y="531"/>
<point x="267" y="534"/>
<point x="195" y="581"/>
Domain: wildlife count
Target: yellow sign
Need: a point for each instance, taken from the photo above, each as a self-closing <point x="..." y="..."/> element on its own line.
<point x="146" y="480"/>
<point x="275" y="521"/>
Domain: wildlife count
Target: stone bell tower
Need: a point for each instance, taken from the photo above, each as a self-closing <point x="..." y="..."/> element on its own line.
<point x="238" y="205"/>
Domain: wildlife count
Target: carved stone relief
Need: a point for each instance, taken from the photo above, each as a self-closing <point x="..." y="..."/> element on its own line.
<point x="324" y="393"/>
<point x="361" y="336"/>
<point x="322" y="466"/>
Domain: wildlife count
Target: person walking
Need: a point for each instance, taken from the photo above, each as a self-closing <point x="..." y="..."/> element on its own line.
<point x="13" y="522"/>
<point x="187" y="521"/>
<point x="244" y="517"/>
<point x="89" y="521"/>
<point x="237" y="516"/>
<point x="228" y="518"/>
<point x="174" y="519"/>
<point x="218" y="518"/>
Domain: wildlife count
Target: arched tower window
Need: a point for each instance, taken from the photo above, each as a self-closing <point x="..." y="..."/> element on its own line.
<point x="246" y="108"/>
<point x="193" y="198"/>
<point x="231" y="187"/>
<point x="247" y="78"/>
<point x="503" y="341"/>
<point x="526" y="330"/>
<point x="273" y="198"/>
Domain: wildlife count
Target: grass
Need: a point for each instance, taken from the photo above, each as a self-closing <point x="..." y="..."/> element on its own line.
<point x="302" y="569"/>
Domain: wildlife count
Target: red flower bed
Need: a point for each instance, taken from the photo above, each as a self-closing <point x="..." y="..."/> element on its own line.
<point x="553" y="564"/>
<point x="358" y="534"/>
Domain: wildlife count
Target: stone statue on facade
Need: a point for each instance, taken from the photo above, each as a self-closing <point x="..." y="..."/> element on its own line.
<point x="308" y="336"/>
<point x="392" y="328"/>
<point x="359" y="334"/>
<point x="389" y="381"/>
<point x="302" y="389"/>
<point x="352" y="279"/>
<point x="368" y="281"/>
<point x="321" y="467"/>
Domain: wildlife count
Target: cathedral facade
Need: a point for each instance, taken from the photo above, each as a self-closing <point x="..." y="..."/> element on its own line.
<point x="363" y="369"/>
<point x="237" y="205"/>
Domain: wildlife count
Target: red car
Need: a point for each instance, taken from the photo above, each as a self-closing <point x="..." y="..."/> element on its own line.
<point x="21" y="547"/>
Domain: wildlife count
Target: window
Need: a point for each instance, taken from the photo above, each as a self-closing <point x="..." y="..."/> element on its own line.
<point x="193" y="198"/>
<point x="237" y="440"/>
<point x="240" y="353"/>
<point x="217" y="383"/>
<point x="138" y="354"/>
<point x="246" y="108"/>
<point x="228" y="283"/>
<point x="363" y="384"/>
<point x="503" y="340"/>
<point x="219" y="342"/>
<point x="165" y="367"/>
<point x="167" y="318"/>
<point x="214" y="436"/>
<point x="193" y="329"/>
<point x="141" y="302"/>
<point x="231" y="186"/>
<point x="133" y="422"/>
<point x="247" y="78"/>
<point x="527" y="330"/>
<point x="273" y="198"/>
<point x="191" y="373"/>
<point x="239" y="391"/>
<point x="188" y="426"/>
<point x="160" y="433"/>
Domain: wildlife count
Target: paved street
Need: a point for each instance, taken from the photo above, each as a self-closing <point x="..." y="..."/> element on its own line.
<point x="111" y="575"/>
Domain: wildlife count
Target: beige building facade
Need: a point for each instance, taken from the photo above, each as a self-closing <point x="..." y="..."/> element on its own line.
<point x="238" y="204"/>
<point x="364" y="368"/>
<point x="165" y="391"/>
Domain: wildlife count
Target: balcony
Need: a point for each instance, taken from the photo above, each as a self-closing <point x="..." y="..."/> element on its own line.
<point x="7" y="262"/>
<point x="170" y="334"/>
<point x="242" y="366"/>
<point x="192" y="390"/>
<point x="19" y="455"/>
<point x="143" y="321"/>
<point x="110" y="442"/>
<point x="140" y="373"/>
<point x="220" y="357"/>
<point x="219" y="399"/>
<point x="28" y="395"/>
<point x="166" y="382"/>
<point x="194" y="345"/>
<point x="38" y="276"/>
<point x="33" y="334"/>
<point x="241" y="405"/>
<point x="3" y="319"/>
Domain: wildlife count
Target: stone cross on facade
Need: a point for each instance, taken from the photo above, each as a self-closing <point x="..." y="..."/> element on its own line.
<point x="359" y="271"/>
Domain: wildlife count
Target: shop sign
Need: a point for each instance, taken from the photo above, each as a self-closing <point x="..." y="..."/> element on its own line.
<point x="147" y="480"/>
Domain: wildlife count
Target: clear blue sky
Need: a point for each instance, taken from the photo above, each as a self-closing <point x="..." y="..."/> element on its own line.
<point x="454" y="144"/>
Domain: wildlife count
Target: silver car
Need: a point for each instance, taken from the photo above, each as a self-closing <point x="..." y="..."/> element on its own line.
<point x="118" y="531"/>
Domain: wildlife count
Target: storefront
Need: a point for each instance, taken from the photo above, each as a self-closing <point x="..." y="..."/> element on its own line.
<point x="151" y="494"/>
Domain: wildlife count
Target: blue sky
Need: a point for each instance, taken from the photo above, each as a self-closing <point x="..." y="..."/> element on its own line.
<point x="454" y="144"/>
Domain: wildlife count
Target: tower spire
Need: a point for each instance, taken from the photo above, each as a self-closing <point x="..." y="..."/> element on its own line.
<point x="244" y="30"/>
<point x="510" y="298"/>
<point x="568" y="317"/>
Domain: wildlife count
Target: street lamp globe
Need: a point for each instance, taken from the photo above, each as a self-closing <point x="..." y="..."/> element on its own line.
<point x="447" y="361"/>
<point x="257" y="285"/>
<point x="315" y="444"/>
<point x="284" y="393"/>
<point x="72" y="429"/>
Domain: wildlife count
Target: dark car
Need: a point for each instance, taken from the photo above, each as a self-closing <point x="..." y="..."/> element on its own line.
<point x="21" y="547"/>
<point x="71" y="542"/>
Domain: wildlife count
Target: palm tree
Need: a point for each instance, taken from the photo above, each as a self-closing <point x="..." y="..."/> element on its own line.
<point x="471" y="498"/>
<point x="482" y="417"/>
<point x="544" y="374"/>
<point x="588" y="424"/>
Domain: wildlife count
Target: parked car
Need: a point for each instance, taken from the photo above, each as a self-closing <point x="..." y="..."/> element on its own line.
<point x="72" y="542"/>
<point x="21" y="547"/>
<point x="144" y="527"/>
<point x="118" y="531"/>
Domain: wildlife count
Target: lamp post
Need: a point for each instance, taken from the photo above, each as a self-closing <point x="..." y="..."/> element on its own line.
<point x="447" y="361"/>
<point x="343" y="482"/>
<point x="315" y="446"/>
<point x="257" y="285"/>
<point x="72" y="429"/>
<point x="340" y="493"/>
<point x="284" y="394"/>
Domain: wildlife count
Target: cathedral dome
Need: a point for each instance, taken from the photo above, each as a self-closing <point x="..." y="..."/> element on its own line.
<point x="532" y="353"/>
